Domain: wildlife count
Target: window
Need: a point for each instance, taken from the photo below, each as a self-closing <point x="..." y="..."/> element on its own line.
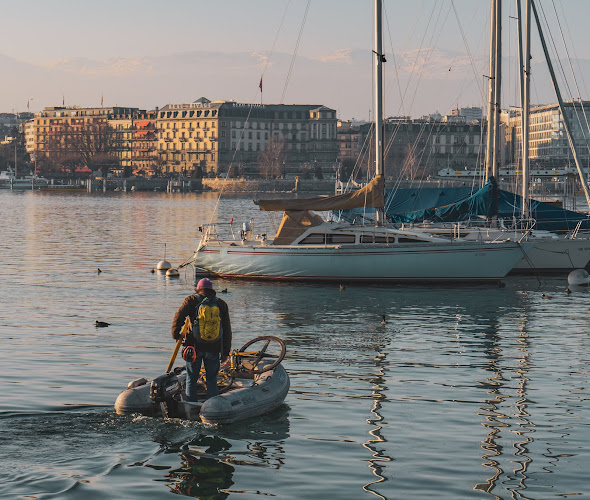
<point x="407" y="240"/>
<point x="313" y="239"/>
<point x="369" y="238"/>
<point x="341" y="238"/>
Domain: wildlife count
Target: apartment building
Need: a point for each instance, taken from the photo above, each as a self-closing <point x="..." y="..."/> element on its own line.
<point x="81" y="135"/>
<point x="349" y="142"/>
<point x="144" y="144"/>
<point x="217" y="136"/>
<point x="548" y="142"/>
<point x="417" y="148"/>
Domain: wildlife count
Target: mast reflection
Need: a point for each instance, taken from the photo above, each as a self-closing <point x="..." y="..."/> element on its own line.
<point x="378" y="456"/>
<point x="494" y="418"/>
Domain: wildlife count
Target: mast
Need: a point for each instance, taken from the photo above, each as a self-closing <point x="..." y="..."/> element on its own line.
<point x="566" y="123"/>
<point x="491" y="89"/>
<point x="525" y="78"/>
<point x="496" y="154"/>
<point x="380" y="59"/>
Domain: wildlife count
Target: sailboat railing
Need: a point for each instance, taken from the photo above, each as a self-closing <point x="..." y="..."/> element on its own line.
<point x="574" y="234"/>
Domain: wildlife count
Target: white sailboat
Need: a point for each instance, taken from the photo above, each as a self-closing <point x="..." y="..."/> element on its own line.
<point x="308" y="248"/>
<point x="551" y="253"/>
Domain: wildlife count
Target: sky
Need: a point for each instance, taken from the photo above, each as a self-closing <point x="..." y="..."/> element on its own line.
<point x="151" y="53"/>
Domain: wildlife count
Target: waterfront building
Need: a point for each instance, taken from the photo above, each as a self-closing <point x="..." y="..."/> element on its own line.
<point x="144" y="145"/>
<point x="11" y="121"/>
<point x="469" y="114"/>
<point x="29" y="131"/>
<point x="548" y="143"/>
<point x="349" y="142"/>
<point x="215" y="137"/>
<point x="419" y="148"/>
<point x="70" y="137"/>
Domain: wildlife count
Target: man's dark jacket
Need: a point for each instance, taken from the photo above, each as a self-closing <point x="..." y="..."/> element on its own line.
<point x="189" y="308"/>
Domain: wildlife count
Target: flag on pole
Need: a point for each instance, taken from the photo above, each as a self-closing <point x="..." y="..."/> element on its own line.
<point x="101" y="100"/>
<point x="63" y="100"/>
<point x="260" y="84"/>
<point x="28" y="103"/>
<point x="232" y="220"/>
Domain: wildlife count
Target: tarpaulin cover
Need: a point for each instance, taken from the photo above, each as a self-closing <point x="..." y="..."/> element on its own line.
<point x="295" y="223"/>
<point x="458" y="204"/>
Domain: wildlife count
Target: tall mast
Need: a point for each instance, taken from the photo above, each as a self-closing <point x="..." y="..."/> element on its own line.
<point x="491" y="89"/>
<point x="525" y="76"/>
<point x="498" y="90"/>
<point x="380" y="59"/>
<point x="566" y="124"/>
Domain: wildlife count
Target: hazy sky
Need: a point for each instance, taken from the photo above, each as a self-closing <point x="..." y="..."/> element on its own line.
<point x="150" y="53"/>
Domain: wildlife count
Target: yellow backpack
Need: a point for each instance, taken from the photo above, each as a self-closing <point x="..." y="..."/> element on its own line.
<point x="209" y="321"/>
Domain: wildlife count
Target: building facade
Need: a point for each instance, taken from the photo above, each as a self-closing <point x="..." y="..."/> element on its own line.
<point x="548" y="142"/>
<point x="420" y="148"/>
<point x="470" y="114"/>
<point x="9" y="122"/>
<point x="349" y="142"/>
<point x="72" y="136"/>
<point x="226" y="137"/>
<point x="144" y="145"/>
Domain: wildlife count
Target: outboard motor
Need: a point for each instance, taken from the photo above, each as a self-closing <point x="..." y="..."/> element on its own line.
<point x="165" y="390"/>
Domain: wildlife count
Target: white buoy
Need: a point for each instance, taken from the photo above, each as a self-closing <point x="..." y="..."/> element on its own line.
<point x="163" y="265"/>
<point x="578" y="277"/>
<point x="172" y="273"/>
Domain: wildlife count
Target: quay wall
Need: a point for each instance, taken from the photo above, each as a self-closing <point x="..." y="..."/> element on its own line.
<point x="320" y="186"/>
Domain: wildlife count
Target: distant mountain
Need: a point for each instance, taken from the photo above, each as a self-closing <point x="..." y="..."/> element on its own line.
<point x="428" y="80"/>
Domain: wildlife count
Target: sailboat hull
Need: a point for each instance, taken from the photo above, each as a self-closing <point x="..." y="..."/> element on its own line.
<point x="555" y="255"/>
<point x="446" y="262"/>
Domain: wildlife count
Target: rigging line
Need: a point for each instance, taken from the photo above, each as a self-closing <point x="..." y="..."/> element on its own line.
<point x="418" y="52"/>
<point x="555" y="51"/>
<point x="575" y="80"/>
<point x="560" y="65"/>
<point x="274" y="43"/>
<point x="406" y="42"/>
<point x="403" y="50"/>
<point x="295" y="52"/>
<point x="478" y="73"/>
<point x="391" y="139"/>
<point x="467" y="48"/>
<point x="429" y="51"/>
<point x="213" y="214"/>
<point x="394" y="60"/>
<point x="574" y="50"/>
<point x="243" y="131"/>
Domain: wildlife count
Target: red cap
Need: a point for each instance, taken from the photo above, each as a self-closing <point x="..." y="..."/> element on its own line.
<point x="204" y="283"/>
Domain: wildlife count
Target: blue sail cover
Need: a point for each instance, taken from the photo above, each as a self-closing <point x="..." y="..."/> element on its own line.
<point x="460" y="204"/>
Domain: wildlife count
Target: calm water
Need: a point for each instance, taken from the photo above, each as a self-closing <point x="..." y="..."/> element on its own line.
<point x="466" y="392"/>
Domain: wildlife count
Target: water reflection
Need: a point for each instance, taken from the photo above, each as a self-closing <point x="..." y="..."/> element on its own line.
<point x="209" y="460"/>
<point x="490" y="410"/>
<point x="379" y="457"/>
<point x="495" y="419"/>
<point x="204" y="472"/>
<point x="525" y="426"/>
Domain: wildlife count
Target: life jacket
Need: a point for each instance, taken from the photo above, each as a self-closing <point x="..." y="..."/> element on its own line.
<point x="207" y="328"/>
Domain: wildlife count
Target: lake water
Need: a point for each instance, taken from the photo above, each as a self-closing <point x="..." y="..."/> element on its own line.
<point x="472" y="392"/>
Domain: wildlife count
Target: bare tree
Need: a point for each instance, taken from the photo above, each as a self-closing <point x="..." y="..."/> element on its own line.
<point x="272" y="159"/>
<point x="89" y="144"/>
<point x="95" y="143"/>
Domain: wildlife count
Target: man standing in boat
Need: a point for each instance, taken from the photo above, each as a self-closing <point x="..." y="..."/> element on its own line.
<point x="209" y="339"/>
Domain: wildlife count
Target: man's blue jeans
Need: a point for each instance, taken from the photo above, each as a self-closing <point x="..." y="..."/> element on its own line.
<point x="211" y="362"/>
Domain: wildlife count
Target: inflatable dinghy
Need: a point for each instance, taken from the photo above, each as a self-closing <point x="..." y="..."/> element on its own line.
<point x="252" y="384"/>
